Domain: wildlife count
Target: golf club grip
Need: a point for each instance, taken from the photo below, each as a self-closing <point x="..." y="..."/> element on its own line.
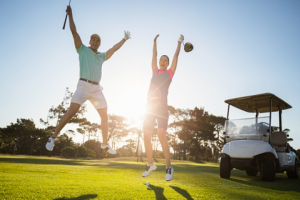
<point x="65" y="21"/>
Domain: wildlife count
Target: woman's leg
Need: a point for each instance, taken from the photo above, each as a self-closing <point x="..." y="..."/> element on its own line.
<point x="148" y="145"/>
<point x="161" y="132"/>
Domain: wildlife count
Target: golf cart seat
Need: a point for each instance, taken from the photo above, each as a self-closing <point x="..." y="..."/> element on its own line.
<point x="279" y="141"/>
<point x="263" y="128"/>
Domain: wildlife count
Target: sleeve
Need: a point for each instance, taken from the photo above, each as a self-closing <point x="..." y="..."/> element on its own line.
<point x="170" y="73"/>
<point x="155" y="71"/>
<point x="104" y="56"/>
<point x="79" y="50"/>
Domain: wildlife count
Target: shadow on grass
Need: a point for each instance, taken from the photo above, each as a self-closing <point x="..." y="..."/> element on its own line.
<point x="42" y="161"/>
<point x="198" y="161"/>
<point x="183" y="168"/>
<point x="159" y="192"/>
<point x="183" y="192"/>
<point x="82" y="197"/>
<point x="279" y="184"/>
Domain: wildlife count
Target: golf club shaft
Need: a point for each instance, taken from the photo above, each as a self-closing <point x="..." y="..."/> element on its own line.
<point x="66" y="16"/>
<point x="65" y="21"/>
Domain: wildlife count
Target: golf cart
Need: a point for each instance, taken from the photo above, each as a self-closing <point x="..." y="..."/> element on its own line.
<point x="253" y="144"/>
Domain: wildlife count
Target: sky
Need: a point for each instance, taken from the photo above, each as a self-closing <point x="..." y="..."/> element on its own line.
<point x="241" y="48"/>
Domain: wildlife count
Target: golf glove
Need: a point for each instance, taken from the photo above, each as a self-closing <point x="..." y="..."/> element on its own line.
<point x="181" y="38"/>
<point x="127" y="35"/>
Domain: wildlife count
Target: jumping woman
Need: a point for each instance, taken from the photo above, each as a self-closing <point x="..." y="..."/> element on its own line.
<point x="157" y="107"/>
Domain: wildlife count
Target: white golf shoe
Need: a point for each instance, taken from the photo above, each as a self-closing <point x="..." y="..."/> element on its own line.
<point x="108" y="148"/>
<point x="148" y="169"/>
<point x="50" y="143"/>
<point x="169" y="173"/>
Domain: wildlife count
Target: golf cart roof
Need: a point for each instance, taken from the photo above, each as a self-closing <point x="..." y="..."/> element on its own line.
<point x="259" y="102"/>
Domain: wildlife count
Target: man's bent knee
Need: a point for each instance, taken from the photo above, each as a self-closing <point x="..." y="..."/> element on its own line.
<point x="74" y="107"/>
<point x="71" y="113"/>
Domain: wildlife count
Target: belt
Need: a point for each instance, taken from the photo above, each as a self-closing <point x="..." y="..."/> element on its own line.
<point x="93" y="82"/>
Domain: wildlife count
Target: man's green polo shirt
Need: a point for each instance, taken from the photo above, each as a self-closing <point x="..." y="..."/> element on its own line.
<point x="90" y="63"/>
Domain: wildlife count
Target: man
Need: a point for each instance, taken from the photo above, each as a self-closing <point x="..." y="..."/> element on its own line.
<point x="88" y="87"/>
<point x="157" y="107"/>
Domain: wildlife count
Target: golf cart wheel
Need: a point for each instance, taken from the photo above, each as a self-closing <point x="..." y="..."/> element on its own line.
<point x="268" y="170"/>
<point x="294" y="174"/>
<point x="251" y="172"/>
<point x="225" y="167"/>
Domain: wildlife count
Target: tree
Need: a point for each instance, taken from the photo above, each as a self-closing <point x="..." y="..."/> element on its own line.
<point x="117" y="128"/>
<point x="62" y="142"/>
<point x="94" y="146"/>
<point x="128" y="149"/>
<point x="131" y="145"/>
<point x="176" y="130"/>
<point x="155" y="141"/>
<point x="298" y="153"/>
<point x="22" y="137"/>
<point x="195" y="130"/>
<point x="205" y="129"/>
<point x="55" y="113"/>
<point x="137" y="132"/>
<point x="2" y="143"/>
<point x="68" y="152"/>
<point x="82" y="132"/>
<point x="91" y="128"/>
<point x="82" y="151"/>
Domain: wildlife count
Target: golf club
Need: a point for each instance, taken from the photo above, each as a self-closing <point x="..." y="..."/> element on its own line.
<point x="187" y="46"/>
<point x="66" y="16"/>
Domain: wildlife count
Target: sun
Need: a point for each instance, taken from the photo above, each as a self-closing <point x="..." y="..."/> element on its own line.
<point x="133" y="104"/>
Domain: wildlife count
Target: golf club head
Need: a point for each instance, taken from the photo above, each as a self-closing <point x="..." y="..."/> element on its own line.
<point x="188" y="47"/>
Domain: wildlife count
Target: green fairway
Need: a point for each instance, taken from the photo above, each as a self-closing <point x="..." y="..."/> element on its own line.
<point x="24" y="177"/>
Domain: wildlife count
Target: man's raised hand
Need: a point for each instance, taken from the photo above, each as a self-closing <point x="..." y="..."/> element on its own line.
<point x="69" y="10"/>
<point x="127" y="35"/>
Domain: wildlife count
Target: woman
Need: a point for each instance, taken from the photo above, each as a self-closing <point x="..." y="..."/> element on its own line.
<point x="157" y="107"/>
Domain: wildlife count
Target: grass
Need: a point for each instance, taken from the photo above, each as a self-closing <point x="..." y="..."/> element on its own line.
<point x="24" y="177"/>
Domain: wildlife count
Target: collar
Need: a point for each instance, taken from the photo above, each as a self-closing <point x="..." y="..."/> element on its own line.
<point x="97" y="52"/>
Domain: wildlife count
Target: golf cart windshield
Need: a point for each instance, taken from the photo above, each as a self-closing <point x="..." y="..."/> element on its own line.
<point x="250" y="128"/>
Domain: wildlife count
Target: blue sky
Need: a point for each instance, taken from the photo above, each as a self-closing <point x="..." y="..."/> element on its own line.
<point x="241" y="48"/>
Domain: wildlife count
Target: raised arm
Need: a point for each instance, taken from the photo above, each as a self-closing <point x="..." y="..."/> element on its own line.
<point x="77" y="39"/>
<point x="117" y="46"/>
<point x="175" y="58"/>
<point x="154" y="57"/>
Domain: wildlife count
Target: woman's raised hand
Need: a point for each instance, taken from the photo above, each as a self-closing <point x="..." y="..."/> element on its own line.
<point x="156" y="38"/>
<point x="181" y="38"/>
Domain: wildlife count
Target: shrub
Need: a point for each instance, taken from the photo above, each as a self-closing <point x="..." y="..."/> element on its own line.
<point x="141" y="159"/>
<point x="91" y="153"/>
<point x="161" y="154"/>
<point x="68" y="151"/>
<point x="82" y="151"/>
<point x="119" y="154"/>
<point x="191" y="158"/>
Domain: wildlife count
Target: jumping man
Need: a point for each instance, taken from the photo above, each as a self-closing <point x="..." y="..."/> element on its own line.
<point x="88" y="87"/>
<point x="157" y="107"/>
